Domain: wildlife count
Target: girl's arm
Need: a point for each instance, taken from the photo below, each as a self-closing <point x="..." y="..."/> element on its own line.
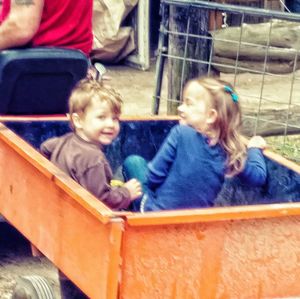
<point x="255" y="171"/>
<point x="159" y="167"/>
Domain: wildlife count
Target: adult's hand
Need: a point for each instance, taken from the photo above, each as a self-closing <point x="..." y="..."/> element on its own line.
<point x="21" y="24"/>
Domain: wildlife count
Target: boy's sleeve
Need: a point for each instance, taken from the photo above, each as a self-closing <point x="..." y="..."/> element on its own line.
<point x="159" y="167"/>
<point x="255" y="171"/>
<point x="48" y="146"/>
<point x="95" y="180"/>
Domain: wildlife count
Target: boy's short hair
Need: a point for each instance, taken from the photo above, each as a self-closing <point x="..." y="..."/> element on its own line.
<point x="88" y="90"/>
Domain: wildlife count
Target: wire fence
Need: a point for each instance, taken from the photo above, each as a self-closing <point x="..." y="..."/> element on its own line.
<point x="255" y="49"/>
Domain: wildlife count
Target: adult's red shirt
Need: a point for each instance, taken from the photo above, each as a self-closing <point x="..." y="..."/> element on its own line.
<point x="66" y="23"/>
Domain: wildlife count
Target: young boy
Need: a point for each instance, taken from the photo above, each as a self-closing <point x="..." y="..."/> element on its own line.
<point x="94" y="112"/>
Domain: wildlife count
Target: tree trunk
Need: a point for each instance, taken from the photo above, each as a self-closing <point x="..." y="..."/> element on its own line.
<point x="185" y="47"/>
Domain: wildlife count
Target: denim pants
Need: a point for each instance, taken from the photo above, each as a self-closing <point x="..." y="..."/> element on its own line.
<point x="135" y="167"/>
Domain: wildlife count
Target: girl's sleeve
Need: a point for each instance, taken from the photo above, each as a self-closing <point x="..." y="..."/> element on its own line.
<point x="159" y="167"/>
<point x="95" y="180"/>
<point x="255" y="171"/>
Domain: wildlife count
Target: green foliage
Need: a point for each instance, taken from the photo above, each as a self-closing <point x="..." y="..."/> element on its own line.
<point x="287" y="146"/>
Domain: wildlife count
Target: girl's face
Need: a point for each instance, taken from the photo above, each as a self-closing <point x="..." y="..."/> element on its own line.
<point x="98" y="124"/>
<point x="195" y="111"/>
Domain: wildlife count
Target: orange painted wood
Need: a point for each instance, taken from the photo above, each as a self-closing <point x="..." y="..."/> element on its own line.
<point x="230" y="259"/>
<point x="65" y="222"/>
<point x="229" y="252"/>
<point x="213" y="214"/>
<point x="29" y="154"/>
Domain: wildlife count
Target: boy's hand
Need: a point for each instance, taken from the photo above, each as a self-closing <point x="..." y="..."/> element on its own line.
<point x="135" y="188"/>
<point x="258" y="142"/>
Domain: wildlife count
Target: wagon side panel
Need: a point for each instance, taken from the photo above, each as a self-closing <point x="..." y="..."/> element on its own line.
<point x="250" y="258"/>
<point x="72" y="229"/>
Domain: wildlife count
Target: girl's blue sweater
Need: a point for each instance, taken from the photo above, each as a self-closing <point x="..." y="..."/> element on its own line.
<point x="188" y="173"/>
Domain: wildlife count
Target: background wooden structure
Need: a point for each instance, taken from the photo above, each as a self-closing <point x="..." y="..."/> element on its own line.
<point x="191" y="47"/>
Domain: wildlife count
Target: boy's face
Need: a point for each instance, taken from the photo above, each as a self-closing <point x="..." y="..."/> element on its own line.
<point x="98" y="124"/>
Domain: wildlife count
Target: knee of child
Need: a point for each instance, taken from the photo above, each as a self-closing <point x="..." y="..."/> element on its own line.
<point x="134" y="160"/>
<point x="135" y="166"/>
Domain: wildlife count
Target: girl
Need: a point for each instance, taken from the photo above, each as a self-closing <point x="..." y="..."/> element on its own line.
<point x="189" y="169"/>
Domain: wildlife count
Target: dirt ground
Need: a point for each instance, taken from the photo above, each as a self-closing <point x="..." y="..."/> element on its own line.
<point x="137" y="89"/>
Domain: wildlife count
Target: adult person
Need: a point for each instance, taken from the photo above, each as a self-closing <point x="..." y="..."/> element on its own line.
<point x="32" y="23"/>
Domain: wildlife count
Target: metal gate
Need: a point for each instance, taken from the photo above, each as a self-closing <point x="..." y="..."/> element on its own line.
<point x="255" y="49"/>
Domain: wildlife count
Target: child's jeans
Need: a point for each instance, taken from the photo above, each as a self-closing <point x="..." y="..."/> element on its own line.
<point x="135" y="167"/>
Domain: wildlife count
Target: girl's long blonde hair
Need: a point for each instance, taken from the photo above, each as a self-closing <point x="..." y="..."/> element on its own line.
<point x="227" y="127"/>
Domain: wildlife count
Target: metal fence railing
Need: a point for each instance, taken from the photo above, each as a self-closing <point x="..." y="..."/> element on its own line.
<point x="255" y="49"/>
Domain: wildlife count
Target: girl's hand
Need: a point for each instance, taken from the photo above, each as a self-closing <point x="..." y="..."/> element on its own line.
<point x="257" y="142"/>
<point x="135" y="188"/>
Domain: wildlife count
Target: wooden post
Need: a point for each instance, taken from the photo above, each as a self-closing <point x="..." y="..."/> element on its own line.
<point x="186" y="47"/>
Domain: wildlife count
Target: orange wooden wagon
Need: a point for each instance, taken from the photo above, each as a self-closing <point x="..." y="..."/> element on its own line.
<point x="248" y="247"/>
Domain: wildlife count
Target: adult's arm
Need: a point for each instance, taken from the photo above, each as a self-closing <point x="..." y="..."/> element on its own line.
<point x="21" y="24"/>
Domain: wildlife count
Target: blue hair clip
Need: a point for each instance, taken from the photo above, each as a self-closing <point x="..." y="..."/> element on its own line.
<point x="234" y="96"/>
